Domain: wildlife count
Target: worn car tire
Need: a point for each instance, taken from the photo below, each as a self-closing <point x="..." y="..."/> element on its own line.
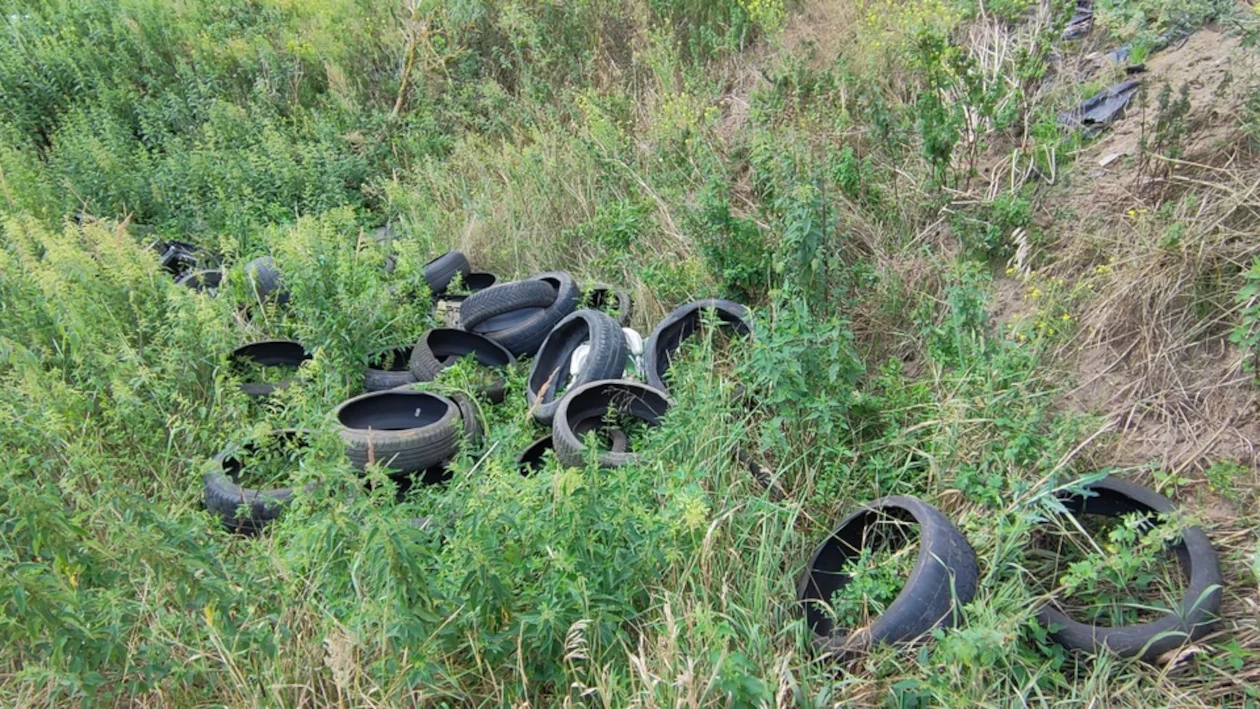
<point x="441" y="347"/>
<point x="206" y="281"/>
<point x="399" y="374"/>
<point x="405" y="431"/>
<point x="682" y="323"/>
<point x="473" y="430"/>
<point x="1148" y="641"/>
<point x="532" y="459"/>
<point x="265" y="279"/>
<point x="592" y="401"/>
<point x="225" y="498"/>
<point x="439" y="272"/>
<point x="525" y="336"/>
<point x="269" y="353"/>
<point x="606" y="359"/>
<point x="943" y="580"/>
<point x="177" y="257"/>
<point x="605" y="298"/>
<point x="502" y="299"/>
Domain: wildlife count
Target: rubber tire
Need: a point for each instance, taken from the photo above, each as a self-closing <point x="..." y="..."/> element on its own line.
<point x="760" y="475"/>
<point x="478" y="281"/>
<point x="525" y="338"/>
<point x="682" y="323"/>
<point x="406" y="450"/>
<point x="504" y="298"/>
<point x="606" y="359"/>
<point x="202" y="281"/>
<point x="266" y="280"/>
<point x="178" y="258"/>
<point x="591" y="401"/>
<point x="382" y="379"/>
<point x="439" y="272"/>
<point x="473" y="430"/>
<point x="1148" y="641"/>
<point x="601" y="294"/>
<point x="944" y="578"/>
<point x="441" y="347"/>
<point x="269" y="353"/>
<point x="531" y="460"/>
<point x="223" y="497"/>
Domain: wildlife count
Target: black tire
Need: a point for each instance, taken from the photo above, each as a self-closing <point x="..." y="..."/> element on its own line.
<point x="268" y="353"/>
<point x="590" y="402"/>
<point x="532" y="459"/>
<point x="265" y="280"/>
<point x="202" y="281"/>
<point x="405" y="431"/>
<point x="441" y="347"/>
<point x="473" y="431"/>
<point x="759" y="474"/>
<point x="605" y="360"/>
<point x="478" y="281"/>
<point x="943" y="580"/>
<point x="1192" y="620"/>
<point x="526" y="337"/>
<point x="439" y="272"/>
<point x="507" y="321"/>
<point x="177" y="257"/>
<point x="605" y="298"/>
<point x="399" y="373"/>
<point x="504" y="298"/>
<point x="682" y="323"/>
<point x="225" y="498"/>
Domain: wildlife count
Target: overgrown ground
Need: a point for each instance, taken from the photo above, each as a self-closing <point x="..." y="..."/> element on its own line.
<point x="958" y="298"/>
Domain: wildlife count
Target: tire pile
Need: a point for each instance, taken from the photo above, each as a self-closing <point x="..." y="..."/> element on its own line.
<point x="576" y="382"/>
<point x="578" y="377"/>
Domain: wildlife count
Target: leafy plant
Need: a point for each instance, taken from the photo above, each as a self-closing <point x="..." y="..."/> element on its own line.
<point x="1246" y="333"/>
<point x="876" y="575"/>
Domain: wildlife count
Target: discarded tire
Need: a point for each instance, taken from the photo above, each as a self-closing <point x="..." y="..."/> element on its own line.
<point x="594" y="401"/>
<point x="1148" y="641"/>
<point x="479" y="281"/>
<point x="525" y="331"/>
<point x="532" y="459"/>
<point x="474" y="431"/>
<point x="202" y="281"/>
<point x="605" y="359"/>
<point x="439" y="272"/>
<point x="176" y="257"/>
<point x="441" y="347"/>
<point x="405" y="431"/>
<point x="502" y="299"/>
<point x="393" y="372"/>
<point x="760" y="475"/>
<point x="944" y="577"/>
<point x="610" y="300"/>
<point x="265" y="280"/>
<point x="268" y="353"/>
<point x="243" y="510"/>
<point x="682" y="323"/>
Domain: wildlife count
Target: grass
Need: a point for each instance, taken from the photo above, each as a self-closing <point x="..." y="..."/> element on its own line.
<point x="887" y="193"/>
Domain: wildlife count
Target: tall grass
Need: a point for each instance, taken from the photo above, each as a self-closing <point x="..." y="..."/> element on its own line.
<point x="843" y="200"/>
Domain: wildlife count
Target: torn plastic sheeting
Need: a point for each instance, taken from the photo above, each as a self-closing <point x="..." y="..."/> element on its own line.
<point x="1104" y="108"/>
<point x="1081" y="22"/>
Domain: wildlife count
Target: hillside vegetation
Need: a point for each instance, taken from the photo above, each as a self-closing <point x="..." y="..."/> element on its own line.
<point x="957" y="297"/>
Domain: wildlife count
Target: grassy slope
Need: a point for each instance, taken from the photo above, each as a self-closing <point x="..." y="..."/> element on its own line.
<point x="947" y="309"/>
